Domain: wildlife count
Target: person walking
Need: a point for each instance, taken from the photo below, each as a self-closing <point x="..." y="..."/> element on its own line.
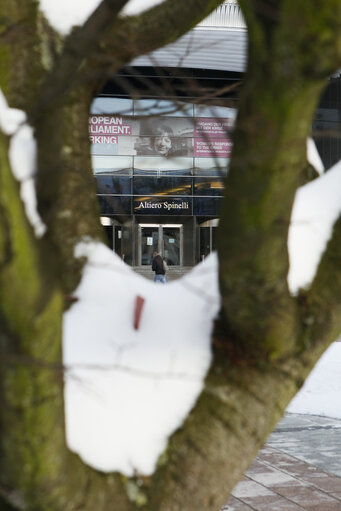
<point x="159" y="268"/>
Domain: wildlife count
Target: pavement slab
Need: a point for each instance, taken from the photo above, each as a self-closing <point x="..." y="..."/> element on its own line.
<point x="298" y="468"/>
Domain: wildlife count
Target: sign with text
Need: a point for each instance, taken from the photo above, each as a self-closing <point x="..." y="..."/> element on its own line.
<point x="164" y="137"/>
<point x="212" y="137"/>
<point x="162" y="206"/>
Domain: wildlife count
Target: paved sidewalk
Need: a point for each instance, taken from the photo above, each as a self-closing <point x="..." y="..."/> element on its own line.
<point x="298" y="469"/>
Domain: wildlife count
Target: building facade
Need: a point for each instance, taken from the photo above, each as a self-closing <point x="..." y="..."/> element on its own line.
<point x="161" y="142"/>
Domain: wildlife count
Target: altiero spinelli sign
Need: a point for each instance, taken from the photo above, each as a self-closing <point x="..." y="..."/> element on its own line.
<point x="162" y="206"/>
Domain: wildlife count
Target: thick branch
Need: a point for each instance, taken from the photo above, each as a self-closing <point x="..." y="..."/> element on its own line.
<point x="77" y="47"/>
<point x="161" y="25"/>
<point x="267" y="162"/>
<point x="320" y="305"/>
<point x="128" y="37"/>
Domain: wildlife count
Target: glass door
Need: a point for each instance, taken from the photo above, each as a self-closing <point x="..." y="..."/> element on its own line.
<point x="149" y="240"/>
<point x="165" y="239"/>
<point x="171" y="245"/>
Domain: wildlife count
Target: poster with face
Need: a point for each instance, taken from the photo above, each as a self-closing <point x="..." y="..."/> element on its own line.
<point x="167" y="138"/>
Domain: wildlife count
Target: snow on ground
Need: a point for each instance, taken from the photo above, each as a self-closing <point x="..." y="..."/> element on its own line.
<point x="63" y="15"/>
<point x="128" y="390"/>
<point x="320" y="395"/>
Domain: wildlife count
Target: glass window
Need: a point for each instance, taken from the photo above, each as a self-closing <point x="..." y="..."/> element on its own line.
<point x="206" y="206"/>
<point x="114" y="185"/>
<point x="175" y="126"/>
<point x="205" y="242"/>
<point x="115" y="205"/>
<point x="164" y="185"/>
<point x="110" y="105"/>
<point x="211" y="166"/>
<point x="208" y="186"/>
<point x="221" y="112"/>
<point x="149" y="107"/>
<point x="112" y="165"/>
<point x="154" y="164"/>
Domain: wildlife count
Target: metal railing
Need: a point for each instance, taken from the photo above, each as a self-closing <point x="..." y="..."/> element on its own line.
<point x="228" y="15"/>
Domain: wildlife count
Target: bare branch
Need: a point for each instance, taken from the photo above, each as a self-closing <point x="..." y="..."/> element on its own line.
<point x="161" y="25"/>
<point x="129" y="37"/>
<point x="320" y="306"/>
<point x="77" y="47"/>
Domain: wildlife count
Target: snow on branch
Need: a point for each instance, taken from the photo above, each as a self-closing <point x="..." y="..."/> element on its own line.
<point x="22" y="157"/>
<point x="316" y="207"/>
<point x="313" y="156"/>
<point x="63" y="15"/>
<point x="128" y="390"/>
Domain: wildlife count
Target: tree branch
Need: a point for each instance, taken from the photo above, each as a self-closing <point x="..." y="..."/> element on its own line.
<point x="161" y="25"/>
<point x="129" y="37"/>
<point x="320" y="306"/>
<point x="77" y="47"/>
<point x="272" y="128"/>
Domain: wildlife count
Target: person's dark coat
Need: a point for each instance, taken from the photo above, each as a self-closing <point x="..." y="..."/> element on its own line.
<point x="157" y="265"/>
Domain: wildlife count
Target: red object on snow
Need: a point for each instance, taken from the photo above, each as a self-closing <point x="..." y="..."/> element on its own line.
<point x="139" y="302"/>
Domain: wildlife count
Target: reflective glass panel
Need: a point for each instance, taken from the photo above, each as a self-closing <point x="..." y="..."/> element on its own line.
<point x="149" y="244"/>
<point x="211" y="166"/>
<point x="145" y="107"/>
<point x="171" y="245"/>
<point x="110" y="105"/>
<point x="208" y="186"/>
<point x="154" y="163"/>
<point x="207" y="206"/>
<point x="165" y="185"/>
<point x="114" y="185"/>
<point x="112" y="165"/>
<point x="115" y="205"/>
<point x="214" y="111"/>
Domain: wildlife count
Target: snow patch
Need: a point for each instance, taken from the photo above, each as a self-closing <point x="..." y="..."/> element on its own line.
<point x="22" y="156"/>
<point x="316" y="207"/>
<point x="63" y="15"/>
<point x="137" y="6"/>
<point x="127" y="390"/>
<point x="320" y="394"/>
<point x="313" y="156"/>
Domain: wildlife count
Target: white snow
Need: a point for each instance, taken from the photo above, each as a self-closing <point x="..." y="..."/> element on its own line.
<point x="128" y="390"/>
<point x="316" y="207"/>
<point x="65" y="14"/>
<point x="22" y="156"/>
<point x="320" y="395"/>
<point x="313" y="156"/>
<point x="137" y="6"/>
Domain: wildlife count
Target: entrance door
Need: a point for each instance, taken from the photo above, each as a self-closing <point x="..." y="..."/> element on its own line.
<point x="166" y="239"/>
<point x="149" y="242"/>
<point x="171" y="245"/>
